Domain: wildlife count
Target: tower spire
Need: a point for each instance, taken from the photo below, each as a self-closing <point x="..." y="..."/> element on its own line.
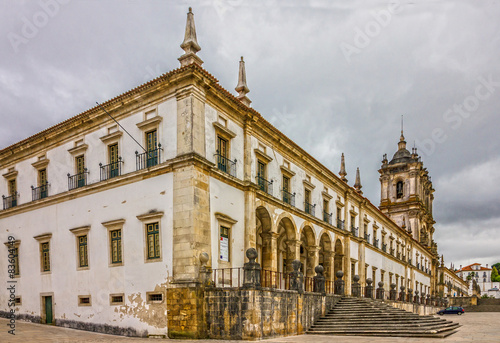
<point x="402" y="142"/>
<point x="357" y="184"/>
<point x="242" y="87"/>
<point x="342" y="171"/>
<point x="190" y="44"/>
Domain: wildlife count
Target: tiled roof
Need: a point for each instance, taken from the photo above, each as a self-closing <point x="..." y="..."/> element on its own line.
<point x="469" y="268"/>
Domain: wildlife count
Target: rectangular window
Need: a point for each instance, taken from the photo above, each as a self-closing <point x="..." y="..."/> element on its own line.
<point x="42" y="182"/>
<point x="222" y="154"/>
<point x="116" y="299"/>
<point x="116" y="246"/>
<point x="325" y="206"/>
<point x="82" y="251"/>
<point x="261" y="176"/>
<point x="224" y="244"/>
<point x="154" y="297"/>
<point x="84" y="300"/>
<point x="152" y="148"/>
<point x="307" y="201"/>
<point x="80" y="170"/>
<point x="286" y="189"/>
<point x="113" y="160"/>
<point x="338" y="213"/>
<point x="45" y="257"/>
<point x="153" y="241"/>
<point x="12" y="187"/>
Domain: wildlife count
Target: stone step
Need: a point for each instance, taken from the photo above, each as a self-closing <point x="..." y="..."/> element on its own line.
<point x="368" y="317"/>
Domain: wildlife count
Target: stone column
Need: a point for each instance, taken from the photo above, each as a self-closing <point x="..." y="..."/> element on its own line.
<point x="250" y="220"/>
<point x="312" y="259"/>
<point x="296" y="277"/>
<point x="328" y="265"/>
<point x="269" y="258"/>
<point x="347" y="263"/>
<point x="190" y="121"/>
<point x="292" y="253"/>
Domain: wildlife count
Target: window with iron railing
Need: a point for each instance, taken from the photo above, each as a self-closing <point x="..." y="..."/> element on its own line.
<point x="354" y="231"/>
<point x="40" y="192"/>
<point x="225" y="164"/>
<point x="111" y="170"/>
<point x="149" y="158"/>
<point x="384" y="247"/>
<point x="375" y="243"/>
<point x="264" y="185"/>
<point x="340" y="224"/>
<point x="327" y="217"/>
<point x="288" y="197"/>
<point x="309" y="208"/>
<point x="10" y="201"/>
<point x="77" y="180"/>
<point x="367" y="237"/>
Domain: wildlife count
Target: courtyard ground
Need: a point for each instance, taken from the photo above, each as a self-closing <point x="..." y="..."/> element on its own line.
<point x="476" y="327"/>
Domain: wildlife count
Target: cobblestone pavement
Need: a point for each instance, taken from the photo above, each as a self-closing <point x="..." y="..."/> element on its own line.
<point x="476" y="327"/>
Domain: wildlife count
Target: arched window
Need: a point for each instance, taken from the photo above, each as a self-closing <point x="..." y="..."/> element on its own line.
<point x="399" y="190"/>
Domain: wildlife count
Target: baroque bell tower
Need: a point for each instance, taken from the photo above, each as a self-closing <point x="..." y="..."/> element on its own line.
<point x="407" y="194"/>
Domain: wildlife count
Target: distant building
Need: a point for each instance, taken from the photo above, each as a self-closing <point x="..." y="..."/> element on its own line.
<point x="480" y="274"/>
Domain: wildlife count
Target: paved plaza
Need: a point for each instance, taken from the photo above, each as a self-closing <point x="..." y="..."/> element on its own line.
<point x="476" y="327"/>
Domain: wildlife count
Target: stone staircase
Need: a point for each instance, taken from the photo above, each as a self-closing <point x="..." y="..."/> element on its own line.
<point x="367" y="317"/>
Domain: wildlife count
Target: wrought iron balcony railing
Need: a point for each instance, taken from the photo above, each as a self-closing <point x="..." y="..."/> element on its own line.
<point x="111" y="170"/>
<point x="409" y="261"/>
<point x="340" y="224"/>
<point x="264" y="185"/>
<point x="77" y="180"/>
<point x="375" y="243"/>
<point x="309" y="208"/>
<point x="225" y="164"/>
<point x="354" y="231"/>
<point x="327" y="217"/>
<point x="418" y="265"/>
<point x="367" y="237"/>
<point x="392" y="251"/>
<point x="148" y="159"/>
<point x="288" y="197"/>
<point x="10" y="201"/>
<point x="384" y="247"/>
<point x="40" y="192"/>
<point x="398" y="255"/>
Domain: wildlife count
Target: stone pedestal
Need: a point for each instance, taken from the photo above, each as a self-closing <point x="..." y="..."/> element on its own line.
<point x="356" y="286"/>
<point x="369" y="289"/>
<point x="319" y="280"/>
<point x="339" y="283"/>
<point x="380" y="291"/>
<point x="296" y="278"/>
<point x="251" y="270"/>
<point x="393" y="293"/>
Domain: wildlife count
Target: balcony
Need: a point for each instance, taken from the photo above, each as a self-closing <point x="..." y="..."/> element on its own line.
<point x="309" y="208"/>
<point x="384" y="247"/>
<point x="77" y="180"/>
<point x="340" y="224"/>
<point x="354" y="231"/>
<point x="367" y="238"/>
<point x="392" y="251"/>
<point x="327" y="217"/>
<point x="398" y="255"/>
<point x="375" y="243"/>
<point x="409" y="261"/>
<point x="264" y="185"/>
<point x="148" y="159"/>
<point x="418" y="265"/>
<point x="40" y="192"/>
<point x="288" y="197"/>
<point x="225" y="164"/>
<point x="111" y="170"/>
<point x="403" y="258"/>
<point x="10" y="201"/>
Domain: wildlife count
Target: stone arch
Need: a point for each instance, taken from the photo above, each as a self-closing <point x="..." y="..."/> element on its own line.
<point x="339" y="256"/>
<point x="287" y="244"/>
<point x="308" y="250"/>
<point x="265" y="239"/>
<point x="326" y="254"/>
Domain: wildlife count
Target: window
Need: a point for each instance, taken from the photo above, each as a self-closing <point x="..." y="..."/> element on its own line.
<point x="154" y="297"/>
<point x="12" y="187"/>
<point x="225" y="224"/>
<point x="18" y="301"/>
<point x="80" y="171"/>
<point x="224" y="244"/>
<point x="114" y="165"/>
<point x="11" y="200"/>
<point x="13" y="258"/>
<point x="42" y="183"/>
<point x="307" y="201"/>
<point x="261" y="176"/>
<point x="152" y="148"/>
<point x="286" y="190"/>
<point x="44" y="241"/>
<point x="82" y="251"/>
<point x="399" y="190"/>
<point x="45" y="257"/>
<point x="153" y="241"/>
<point x="116" y="299"/>
<point x="152" y="235"/>
<point x="116" y="246"/>
<point x="222" y="154"/>
<point x="84" y="300"/>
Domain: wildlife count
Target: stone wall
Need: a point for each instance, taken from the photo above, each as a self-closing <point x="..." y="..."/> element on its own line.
<point x="249" y="314"/>
<point x="420" y="309"/>
<point x="186" y="312"/>
<point x="463" y="301"/>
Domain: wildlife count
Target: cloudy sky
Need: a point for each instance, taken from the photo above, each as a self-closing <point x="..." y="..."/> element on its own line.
<point x="335" y="76"/>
